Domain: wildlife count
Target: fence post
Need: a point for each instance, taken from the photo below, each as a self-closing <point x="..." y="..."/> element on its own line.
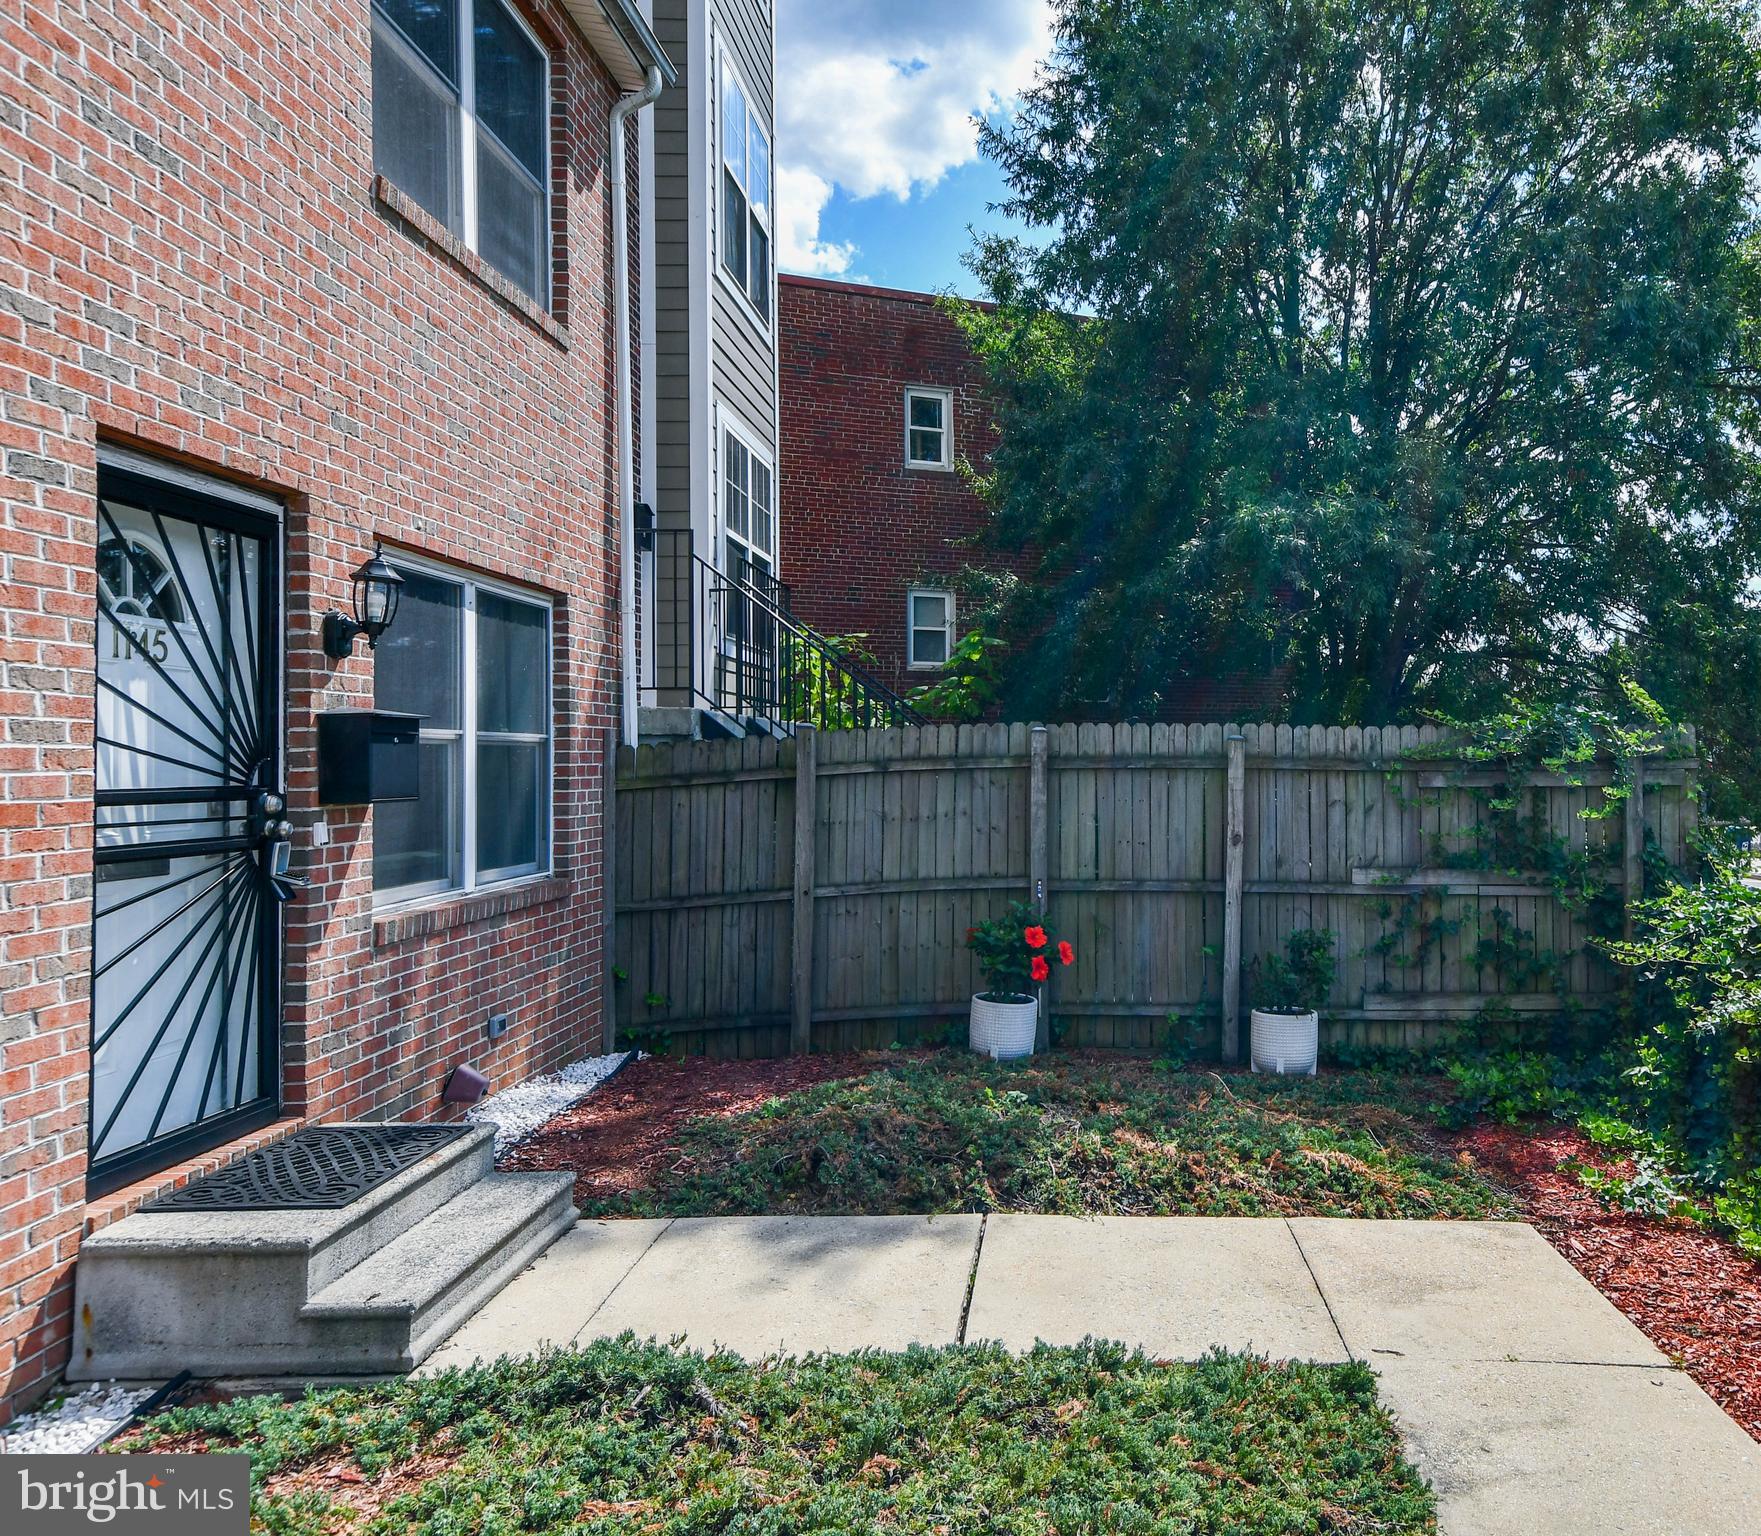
<point x="1037" y="857"/>
<point x="801" y="990"/>
<point x="608" y="851"/>
<point x="1233" y="855"/>
<point x="1632" y="850"/>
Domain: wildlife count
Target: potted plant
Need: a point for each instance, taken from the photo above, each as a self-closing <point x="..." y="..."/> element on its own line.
<point x="1015" y="952"/>
<point x="1288" y="991"/>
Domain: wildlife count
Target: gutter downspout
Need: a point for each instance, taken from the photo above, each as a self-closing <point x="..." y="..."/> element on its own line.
<point x="626" y="107"/>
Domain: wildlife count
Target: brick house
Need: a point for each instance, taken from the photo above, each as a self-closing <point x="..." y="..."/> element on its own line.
<point x="279" y="284"/>
<point x="881" y="400"/>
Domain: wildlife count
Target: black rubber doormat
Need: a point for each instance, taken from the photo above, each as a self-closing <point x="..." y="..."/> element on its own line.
<point x="320" y="1168"/>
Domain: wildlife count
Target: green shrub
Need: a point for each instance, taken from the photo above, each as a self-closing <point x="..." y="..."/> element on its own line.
<point x="621" y="1437"/>
<point x="1513" y="1085"/>
<point x="1695" y="1076"/>
<point x="1298" y="980"/>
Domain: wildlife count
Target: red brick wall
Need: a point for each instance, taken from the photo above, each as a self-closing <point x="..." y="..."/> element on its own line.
<point x="859" y="529"/>
<point x="193" y="261"/>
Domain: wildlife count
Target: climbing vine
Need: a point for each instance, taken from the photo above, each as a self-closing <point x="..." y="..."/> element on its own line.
<point x="1508" y="836"/>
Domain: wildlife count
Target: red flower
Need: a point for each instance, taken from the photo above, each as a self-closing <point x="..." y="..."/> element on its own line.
<point x="1035" y="936"/>
<point x="971" y="934"/>
<point x="1040" y="969"/>
<point x="1066" y="952"/>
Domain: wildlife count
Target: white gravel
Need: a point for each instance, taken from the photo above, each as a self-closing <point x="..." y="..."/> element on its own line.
<point x="76" y="1424"/>
<point x="526" y="1107"/>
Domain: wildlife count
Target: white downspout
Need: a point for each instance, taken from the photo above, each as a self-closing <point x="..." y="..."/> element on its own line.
<point x="620" y="288"/>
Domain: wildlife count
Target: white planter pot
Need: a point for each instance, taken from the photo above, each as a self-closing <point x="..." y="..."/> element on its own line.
<point x="1286" y="1043"/>
<point x="1003" y="1031"/>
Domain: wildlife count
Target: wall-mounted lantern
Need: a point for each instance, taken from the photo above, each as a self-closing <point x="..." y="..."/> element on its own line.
<point x="644" y="526"/>
<point x="376" y="589"/>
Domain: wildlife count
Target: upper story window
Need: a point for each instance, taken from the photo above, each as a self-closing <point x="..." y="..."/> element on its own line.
<point x="473" y="660"/>
<point x="929" y="428"/>
<point x="461" y="124"/>
<point x="745" y="194"/>
<point x="929" y="627"/>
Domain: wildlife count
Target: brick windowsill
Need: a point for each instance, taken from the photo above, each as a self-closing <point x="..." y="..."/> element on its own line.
<point x="110" y="1208"/>
<point x="459" y="911"/>
<point x="468" y="261"/>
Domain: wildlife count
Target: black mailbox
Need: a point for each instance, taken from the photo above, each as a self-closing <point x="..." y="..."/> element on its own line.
<point x="368" y="755"/>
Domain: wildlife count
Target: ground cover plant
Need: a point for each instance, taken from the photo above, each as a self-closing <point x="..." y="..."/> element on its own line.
<point x="1075" y="1133"/>
<point x="631" y="1437"/>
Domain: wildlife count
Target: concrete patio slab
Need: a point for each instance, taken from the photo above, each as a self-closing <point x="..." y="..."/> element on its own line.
<point x="1574" y="1450"/>
<point x="1177" y="1286"/>
<point x="1462" y="1290"/>
<point x="762" y="1284"/>
<point x="1533" y="1406"/>
<point x="551" y="1301"/>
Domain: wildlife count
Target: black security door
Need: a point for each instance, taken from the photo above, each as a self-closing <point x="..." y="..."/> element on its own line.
<point x="189" y="836"/>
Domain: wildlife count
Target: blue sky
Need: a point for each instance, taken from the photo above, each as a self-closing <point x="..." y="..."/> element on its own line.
<point x="878" y="168"/>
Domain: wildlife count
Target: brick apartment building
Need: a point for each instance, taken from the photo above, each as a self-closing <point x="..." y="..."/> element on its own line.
<point x="241" y="344"/>
<point x="882" y="399"/>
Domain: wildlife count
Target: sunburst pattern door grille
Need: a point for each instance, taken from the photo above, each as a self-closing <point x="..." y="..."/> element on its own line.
<point x="185" y="966"/>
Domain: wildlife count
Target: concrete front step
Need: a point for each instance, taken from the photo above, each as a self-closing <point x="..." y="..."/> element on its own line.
<point x="386" y="1314"/>
<point x="330" y="1242"/>
<point x="291" y="1292"/>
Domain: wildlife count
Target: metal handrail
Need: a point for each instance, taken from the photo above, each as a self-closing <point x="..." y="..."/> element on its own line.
<point x="765" y="666"/>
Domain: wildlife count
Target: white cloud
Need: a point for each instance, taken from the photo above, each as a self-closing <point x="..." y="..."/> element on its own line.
<point x="801" y="198"/>
<point x="877" y="96"/>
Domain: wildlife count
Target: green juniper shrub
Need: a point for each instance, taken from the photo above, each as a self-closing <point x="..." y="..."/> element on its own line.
<point x="969" y="1441"/>
<point x="1070" y="1134"/>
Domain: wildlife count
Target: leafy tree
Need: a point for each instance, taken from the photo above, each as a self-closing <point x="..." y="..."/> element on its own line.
<point x="1405" y="349"/>
<point x="968" y="684"/>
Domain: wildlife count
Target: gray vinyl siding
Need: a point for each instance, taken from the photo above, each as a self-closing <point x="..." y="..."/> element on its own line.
<point x="743" y="360"/>
<point x="743" y="364"/>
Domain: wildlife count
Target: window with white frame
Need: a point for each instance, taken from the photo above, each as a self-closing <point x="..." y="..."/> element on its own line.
<point x="472" y="658"/>
<point x="929" y="428"/>
<point x="461" y="124"/>
<point x="748" y="513"/>
<point x="929" y="627"/>
<point x="745" y="215"/>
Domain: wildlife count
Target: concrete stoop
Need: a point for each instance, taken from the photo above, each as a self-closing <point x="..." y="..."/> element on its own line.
<point x="366" y="1289"/>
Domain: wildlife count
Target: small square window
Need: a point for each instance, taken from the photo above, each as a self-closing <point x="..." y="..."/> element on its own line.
<point x="929" y="428"/>
<point x="929" y="628"/>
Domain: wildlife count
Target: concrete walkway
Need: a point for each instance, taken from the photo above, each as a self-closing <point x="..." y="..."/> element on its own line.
<point x="1533" y="1406"/>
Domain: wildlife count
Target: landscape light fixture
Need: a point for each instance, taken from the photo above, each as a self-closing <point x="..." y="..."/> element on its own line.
<point x="376" y="589"/>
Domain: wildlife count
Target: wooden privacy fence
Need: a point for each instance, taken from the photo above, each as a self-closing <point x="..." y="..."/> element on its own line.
<point x="775" y="895"/>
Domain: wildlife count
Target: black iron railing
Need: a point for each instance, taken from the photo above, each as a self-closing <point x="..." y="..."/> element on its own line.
<point x="726" y="640"/>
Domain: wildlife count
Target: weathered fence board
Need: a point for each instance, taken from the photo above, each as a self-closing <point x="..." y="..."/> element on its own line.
<point x="770" y="894"/>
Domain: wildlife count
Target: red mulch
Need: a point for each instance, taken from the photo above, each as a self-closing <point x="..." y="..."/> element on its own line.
<point x="1693" y="1294"/>
<point x="625" y="1133"/>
